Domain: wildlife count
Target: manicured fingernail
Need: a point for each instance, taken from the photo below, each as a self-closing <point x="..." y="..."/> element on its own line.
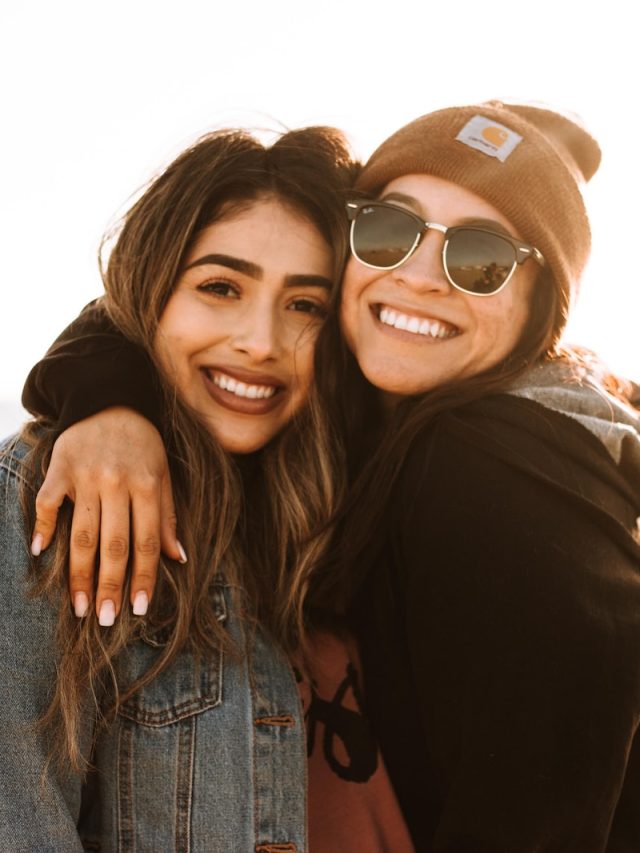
<point x="36" y="544"/>
<point x="81" y="604"/>
<point x="107" y="615"/>
<point x="183" y="553"/>
<point x="140" y="604"/>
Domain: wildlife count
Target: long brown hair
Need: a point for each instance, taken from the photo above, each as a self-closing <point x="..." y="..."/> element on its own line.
<point x="294" y="483"/>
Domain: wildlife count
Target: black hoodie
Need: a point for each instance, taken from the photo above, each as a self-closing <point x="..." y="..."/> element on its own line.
<point x="499" y="623"/>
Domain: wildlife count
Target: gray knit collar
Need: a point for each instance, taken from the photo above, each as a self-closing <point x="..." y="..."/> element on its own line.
<point x="575" y="392"/>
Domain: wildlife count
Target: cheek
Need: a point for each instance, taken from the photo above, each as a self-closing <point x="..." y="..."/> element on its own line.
<point x="519" y="309"/>
<point x="502" y="325"/>
<point x="185" y="325"/>
<point x="175" y="335"/>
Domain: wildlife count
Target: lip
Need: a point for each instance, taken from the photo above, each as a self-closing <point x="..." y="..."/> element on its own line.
<point x="243" y="405"/>
<point x="402" y="334"/>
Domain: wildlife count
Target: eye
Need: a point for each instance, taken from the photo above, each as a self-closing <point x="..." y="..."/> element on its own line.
<point x="304" y="305"/>
<point x="220" y="288"/>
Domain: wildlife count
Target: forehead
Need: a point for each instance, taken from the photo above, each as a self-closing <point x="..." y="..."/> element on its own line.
<point x="444" y="201"/>
<point x="266" y="232"/>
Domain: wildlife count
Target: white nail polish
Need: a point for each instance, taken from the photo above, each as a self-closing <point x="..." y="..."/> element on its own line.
<point x="36" y="544"/>
<point x="107" y="615"/>
<point x="183" y="553"/>
<point x="140" y="604"/>
<point x="80" y="604"/>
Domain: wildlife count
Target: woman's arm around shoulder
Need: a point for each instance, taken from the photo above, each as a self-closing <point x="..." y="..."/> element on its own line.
<point x="91" y="367"/>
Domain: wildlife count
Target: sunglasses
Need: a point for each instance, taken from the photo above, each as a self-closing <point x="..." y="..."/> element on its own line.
<point x="475" y="260"/>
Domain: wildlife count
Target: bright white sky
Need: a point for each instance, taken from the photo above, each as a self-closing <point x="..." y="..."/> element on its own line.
<point x="96" y="97"/>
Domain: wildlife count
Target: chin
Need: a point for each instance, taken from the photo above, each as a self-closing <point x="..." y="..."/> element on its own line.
<point x="397" y="384"/>
<point x="241" y="446"/>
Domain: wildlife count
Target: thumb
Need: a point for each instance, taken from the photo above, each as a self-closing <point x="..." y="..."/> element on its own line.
<point x="48" y="502"/>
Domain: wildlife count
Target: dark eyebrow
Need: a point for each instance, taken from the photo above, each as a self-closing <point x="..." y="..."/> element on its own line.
<point x="405" y="199"/>
<point x="479" y="221"/>
<point x="257" y="272"/>
<point x="237" y="264"/>
<point x="489" y="224"/>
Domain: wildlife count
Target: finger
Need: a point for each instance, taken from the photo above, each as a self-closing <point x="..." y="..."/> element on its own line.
<point x="168" y="522"/>
<point x="145" y="528"/>
<point x="114" y="553"/>
<point x="85" y="533"/>
<point x="49" y="499"/>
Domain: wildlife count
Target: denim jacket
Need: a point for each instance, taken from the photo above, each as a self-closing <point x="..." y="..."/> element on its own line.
<point x="208" y="758"/>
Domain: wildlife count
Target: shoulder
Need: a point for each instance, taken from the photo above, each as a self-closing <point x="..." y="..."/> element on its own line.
<point x="514" y="433"/>
<point x="15" y="477"/>
<point x="551" y="423"/>
<point x="27" y="621"/>
<point x="473" y="458"/>
<point x="15" y="471"/>
<point x="515" y="470"/>
<point x="506" y="523"/>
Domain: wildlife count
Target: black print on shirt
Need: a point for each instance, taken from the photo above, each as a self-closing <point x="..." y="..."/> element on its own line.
<point x="343" y="724"/>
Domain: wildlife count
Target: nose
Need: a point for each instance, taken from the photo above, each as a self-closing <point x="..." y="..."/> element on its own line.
<point x="258" y="334"/>
<point x="424" y="270"/>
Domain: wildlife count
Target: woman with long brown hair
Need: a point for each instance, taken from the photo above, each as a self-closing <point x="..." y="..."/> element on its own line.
<point x="187" y="710"/>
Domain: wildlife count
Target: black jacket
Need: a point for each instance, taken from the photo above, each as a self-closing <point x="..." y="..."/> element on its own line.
<point x="498" y="616"/>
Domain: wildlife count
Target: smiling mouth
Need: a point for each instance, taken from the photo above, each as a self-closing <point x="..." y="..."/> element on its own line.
<point x="242" y="389"/>
<point x="240" y="395"/>
<point x="428" y="328"/>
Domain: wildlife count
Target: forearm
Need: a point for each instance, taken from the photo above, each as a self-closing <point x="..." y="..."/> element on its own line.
<point x="91" y="367"/>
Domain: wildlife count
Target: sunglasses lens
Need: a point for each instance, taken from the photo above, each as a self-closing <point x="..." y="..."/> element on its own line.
<point x="478" y="261"/>
<point x="382" y="237"/>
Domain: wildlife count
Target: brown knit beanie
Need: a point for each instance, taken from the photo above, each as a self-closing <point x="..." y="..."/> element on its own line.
<point x="528" y="162"/>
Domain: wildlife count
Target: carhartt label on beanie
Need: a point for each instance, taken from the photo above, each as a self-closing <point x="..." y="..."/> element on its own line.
<point x="488" y="136"/>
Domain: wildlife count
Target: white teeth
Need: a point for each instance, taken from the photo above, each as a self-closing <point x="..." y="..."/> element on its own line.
<point x="241" y="389"/>
<point x="430" y="328"/>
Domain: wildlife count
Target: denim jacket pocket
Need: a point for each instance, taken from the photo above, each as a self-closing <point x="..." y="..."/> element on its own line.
<point x="186" y="687"/>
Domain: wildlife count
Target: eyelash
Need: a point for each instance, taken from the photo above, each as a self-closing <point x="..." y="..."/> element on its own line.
<point x="211" y="287"/>
<point x="314" y="308"/>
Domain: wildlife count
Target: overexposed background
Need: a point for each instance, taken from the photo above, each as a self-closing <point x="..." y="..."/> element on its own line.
<point x="96" y="98"/>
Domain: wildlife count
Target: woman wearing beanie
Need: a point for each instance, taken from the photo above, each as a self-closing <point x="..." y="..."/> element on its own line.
<point x="491" y="543"/>
<point x="487" y="558"/>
